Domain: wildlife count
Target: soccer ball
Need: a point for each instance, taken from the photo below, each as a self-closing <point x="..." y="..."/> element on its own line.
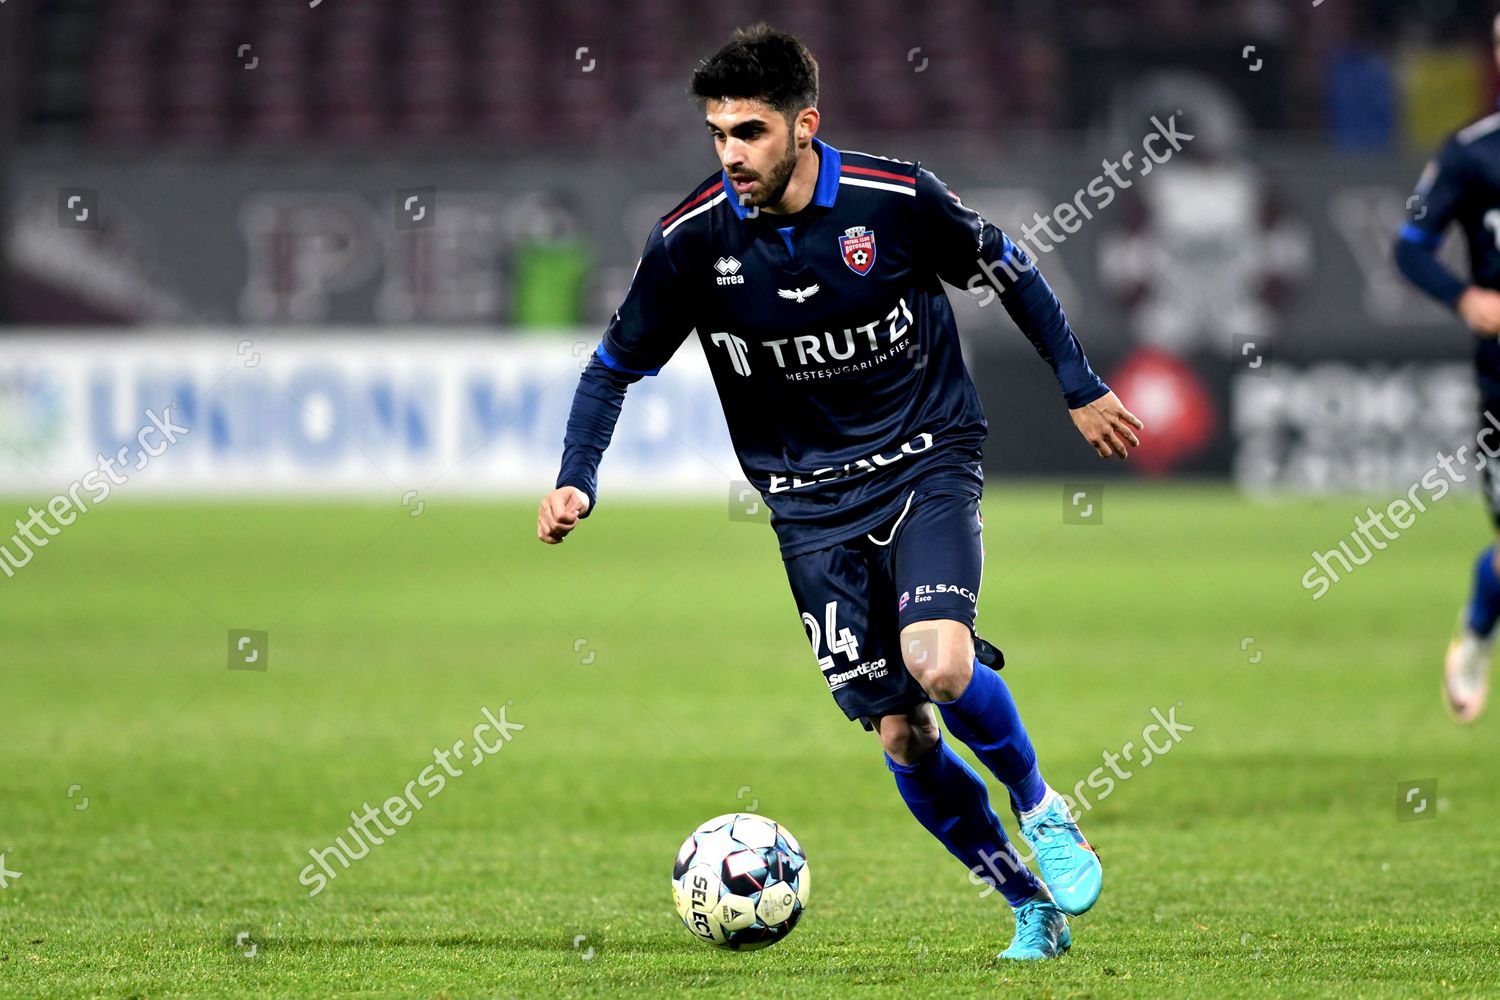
<point x="740" y="882"/>
<point x="861" y="258"/>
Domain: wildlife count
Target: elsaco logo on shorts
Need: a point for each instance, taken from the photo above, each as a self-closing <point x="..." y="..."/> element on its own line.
<point x="928" y="591"/>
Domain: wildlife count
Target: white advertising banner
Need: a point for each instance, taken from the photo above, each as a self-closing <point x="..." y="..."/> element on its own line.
<point x="300" y="413"/>
<point x="1350" y="426"/>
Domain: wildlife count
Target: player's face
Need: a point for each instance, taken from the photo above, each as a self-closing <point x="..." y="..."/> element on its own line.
<point x="756" y="146"/>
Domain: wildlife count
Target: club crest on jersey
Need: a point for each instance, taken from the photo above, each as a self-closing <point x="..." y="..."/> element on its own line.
<point x="858" y="248"/>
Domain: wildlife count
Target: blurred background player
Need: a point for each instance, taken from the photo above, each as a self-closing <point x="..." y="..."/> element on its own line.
<point x="864" y="441"/>
<point x="1460" y="186"/>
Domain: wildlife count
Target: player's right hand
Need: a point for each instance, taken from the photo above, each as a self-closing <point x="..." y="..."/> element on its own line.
<point x="559" y="513"/>
<point x="1480" y="309"/>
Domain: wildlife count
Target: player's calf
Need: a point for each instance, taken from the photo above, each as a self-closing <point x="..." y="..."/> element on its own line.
<point x="909" y="736"/>
<point x="949" y="799"/>
<point x="1466" y="666"/>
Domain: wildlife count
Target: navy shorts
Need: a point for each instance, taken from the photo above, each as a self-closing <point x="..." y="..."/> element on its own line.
<point x="923" y="562"/>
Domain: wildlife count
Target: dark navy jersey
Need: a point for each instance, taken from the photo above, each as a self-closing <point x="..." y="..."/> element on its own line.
<point x="1461" y="186"/>
<point x="830" y="338"/>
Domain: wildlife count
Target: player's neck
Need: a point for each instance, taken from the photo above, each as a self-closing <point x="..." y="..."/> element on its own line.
<point x="799" y="190"/>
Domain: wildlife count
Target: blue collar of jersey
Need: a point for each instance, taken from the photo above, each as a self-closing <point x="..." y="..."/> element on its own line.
<point x="830" y="166"/>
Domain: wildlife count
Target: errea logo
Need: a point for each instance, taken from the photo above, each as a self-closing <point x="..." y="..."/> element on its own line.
<point x="728" y="268"/>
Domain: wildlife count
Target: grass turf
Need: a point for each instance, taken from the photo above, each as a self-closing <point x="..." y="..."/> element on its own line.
<point x="658" y="666"/>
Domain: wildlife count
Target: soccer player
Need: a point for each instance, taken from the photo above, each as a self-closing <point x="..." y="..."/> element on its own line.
<point x="1463" y="185"/>
<point x="813" y="277"/>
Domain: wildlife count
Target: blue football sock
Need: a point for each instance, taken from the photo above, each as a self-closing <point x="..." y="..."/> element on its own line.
<point x="949" y="799"/>
<point x="984" y="717"/>
<point x="1484" y="602"/>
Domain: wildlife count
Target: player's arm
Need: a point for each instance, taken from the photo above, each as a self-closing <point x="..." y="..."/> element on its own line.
<point x="646" y="330"/>
<point x="1437" y="201"/>
<point x="591" y="424"/>
<point x="968" y="251"/>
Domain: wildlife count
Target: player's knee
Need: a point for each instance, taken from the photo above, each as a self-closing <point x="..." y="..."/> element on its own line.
<point x="947" y="681"/>
<point x="940" y="656"/>
<point x="908" y="738"/>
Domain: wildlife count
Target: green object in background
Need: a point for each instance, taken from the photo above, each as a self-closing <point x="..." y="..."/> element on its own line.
<point x="548" y="287"/>
<point x="1444" y="91"/>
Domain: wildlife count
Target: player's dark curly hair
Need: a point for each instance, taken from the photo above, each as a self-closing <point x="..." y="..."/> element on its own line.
<point x="763" y="64"/>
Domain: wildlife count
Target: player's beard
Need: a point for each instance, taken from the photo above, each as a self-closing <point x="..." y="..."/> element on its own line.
<point x="776" y="182"/>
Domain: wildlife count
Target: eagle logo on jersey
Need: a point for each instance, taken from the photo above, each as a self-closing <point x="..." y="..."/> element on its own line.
<point x="858" y="248"/>
<point x="800" y="294"/>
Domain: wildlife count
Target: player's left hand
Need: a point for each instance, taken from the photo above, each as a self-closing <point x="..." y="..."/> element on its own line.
<point x="1106" y="425"/>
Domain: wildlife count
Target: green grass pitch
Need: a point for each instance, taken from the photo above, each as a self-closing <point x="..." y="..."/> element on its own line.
<point x="160" y="806"/>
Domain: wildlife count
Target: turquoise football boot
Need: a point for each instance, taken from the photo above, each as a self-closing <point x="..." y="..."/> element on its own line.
<point x="1041" y="932"/>
<point x="1066" y="862"/>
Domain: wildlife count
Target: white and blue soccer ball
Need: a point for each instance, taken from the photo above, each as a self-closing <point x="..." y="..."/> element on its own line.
<point x="740" y="882"/>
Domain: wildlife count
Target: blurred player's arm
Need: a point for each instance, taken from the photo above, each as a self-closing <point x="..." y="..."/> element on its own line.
<point x="971" y="253"/>
<point x="646" y="330"/>
<point x="1438" y="197"/>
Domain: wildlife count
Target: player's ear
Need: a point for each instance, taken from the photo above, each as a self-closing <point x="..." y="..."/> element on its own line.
<point x="806" y="126"/>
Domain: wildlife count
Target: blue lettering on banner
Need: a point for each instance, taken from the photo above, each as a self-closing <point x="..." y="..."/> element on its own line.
<point x="319" y="418"/>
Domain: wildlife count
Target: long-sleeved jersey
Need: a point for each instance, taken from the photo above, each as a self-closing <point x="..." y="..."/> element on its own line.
<point x="830" y="339"/>
<point x="1461" y="186"/>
